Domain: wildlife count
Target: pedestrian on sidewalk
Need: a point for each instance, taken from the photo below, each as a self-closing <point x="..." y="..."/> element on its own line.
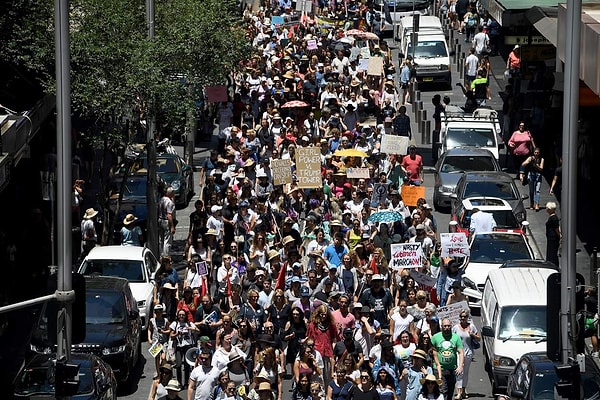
<point x="471" y="63"/>
<point x="553" y="234"/>
<point x="521" y="145"/>
<point x="531" y="173"/>
<point x="166" y="218"/>
<point x="88" y="232"/>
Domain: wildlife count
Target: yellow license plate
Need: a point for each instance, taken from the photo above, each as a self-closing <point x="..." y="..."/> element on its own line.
<point x="428" y="79"/>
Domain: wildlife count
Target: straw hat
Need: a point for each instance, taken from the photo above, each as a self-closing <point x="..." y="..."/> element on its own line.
<point x="289" y="74"/>
<point x="173" y="385"/>
<point x="430" y="378"/>
<point x="272" y="254"/>
<point x="129" y="219"/>
<point x="90" y="213"/>
<point x="287" y="239"/>
<point x="263" y="386"/>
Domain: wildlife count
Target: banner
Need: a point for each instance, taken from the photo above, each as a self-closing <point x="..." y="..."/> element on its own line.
<point x="406" y="255"/>
<point x="308" y="167"/>
<point x="358" y="173"/>
<point x="281" y="170"/>
<point x="216" y="94"/>
<point x="410" y="194"/>
<point x="454" y="244"/>
<point x="379" y="196"/>
<point x="452" y="312"/>
<point x="392" y="144"/>
<point x="422" y="279"/>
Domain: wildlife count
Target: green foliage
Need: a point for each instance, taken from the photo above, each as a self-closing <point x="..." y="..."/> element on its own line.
<point x="115" y="68"/>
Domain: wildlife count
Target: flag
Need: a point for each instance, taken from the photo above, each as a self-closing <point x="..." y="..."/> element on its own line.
<point x="280" y="284"/>
<point x="373" y="265"/>
<point x="228" y="285"/>
<point x="204" y="290"/>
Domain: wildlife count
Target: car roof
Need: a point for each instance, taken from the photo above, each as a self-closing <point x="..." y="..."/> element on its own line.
<point x="486" y="203"/>
<point x="494" y="176"/>
<point x="112" y="283"/>
<point x="529" y="264"/>
<point x="518" y="286"/>
<point x="117" y="252"/>
<point x="40" y="360"/>
<point x="468" y="151"/>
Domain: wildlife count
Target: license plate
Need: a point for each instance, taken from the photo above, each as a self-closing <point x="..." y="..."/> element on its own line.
<point x="428" y="79"/>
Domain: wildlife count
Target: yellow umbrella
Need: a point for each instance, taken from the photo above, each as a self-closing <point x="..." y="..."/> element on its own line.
<point x="350" y="153"/>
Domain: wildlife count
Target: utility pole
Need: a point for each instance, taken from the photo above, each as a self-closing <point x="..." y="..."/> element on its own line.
<point x="152" y="186"/>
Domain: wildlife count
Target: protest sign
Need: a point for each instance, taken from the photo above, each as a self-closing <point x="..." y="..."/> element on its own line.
<point x="422" y="279"/>
<point x="281" y="171"/>
<point x="216" y="94"/>
<point x="308" y="167"/>
<point x="201" y="268"/>
<point x="406" y="255"/>
<point x="375" y="66"/>
<point x="379" y="194"/>
<point x="357" y="173"/>
<point x="392" y="144"/>
<point x="311" y="44"/>
<point x="363" y="64"/>
<point x="365" y="53"/>
<point x="156" y="348"/>
<point x="277" y="20"/>
<point x="410" y="194"/>
<point x="454" y="244"/>
<point x="452" y="312"/>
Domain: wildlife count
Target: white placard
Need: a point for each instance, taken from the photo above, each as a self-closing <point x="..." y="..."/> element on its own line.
<point x="406" y="255"/>
<point x="363" y="64"/>
<point x="452" y="311"/>
<point x="358" y="173"/>
<point x="454" y="245"/>
<point x="392" y="144"/>
<point x="422" y="279"/>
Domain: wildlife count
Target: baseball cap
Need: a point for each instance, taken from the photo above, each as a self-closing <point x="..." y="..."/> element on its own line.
<point x="304" y="291"/>
<point x="347" y="331"/>
<point x="215" y="208"/>
<point x="357" y="305"/>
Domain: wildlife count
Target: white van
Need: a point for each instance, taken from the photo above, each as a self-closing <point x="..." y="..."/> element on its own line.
<point x="405" y="26"/>
<point x="397" y="10"/>
<point x="513" y="318"/>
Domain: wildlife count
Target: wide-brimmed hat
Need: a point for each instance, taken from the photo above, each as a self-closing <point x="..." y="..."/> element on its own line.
<point x="90" y="213"/>
<point x="272" y="254"/>
<point x="262" y="377"/>
<point x="167" y="366"/>
<point x="264" y="386"/>
<point x="234" y="356"/>
<point x="211" y="232"/>
<point x="419" y="354"/>
<point x="288" y="239"/>
<point x="173" y="385"/>
<point x="289" y="74"/>
<point x="430" y="378"/>
<point x="215" y="208"/>
<point x="129" y="219"/>
<point x="169" y="285"/>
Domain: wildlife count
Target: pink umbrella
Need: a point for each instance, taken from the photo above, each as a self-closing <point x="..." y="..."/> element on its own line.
<point x="361" y="34"/>
<point x="295" y="104"/>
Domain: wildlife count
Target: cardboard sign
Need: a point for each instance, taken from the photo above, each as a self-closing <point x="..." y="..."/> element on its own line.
<point x="392" y="144"/>
<point x="358" y="173"/>
<point x="406" y="255"/>
<point x="375" y="66"/>
<point x="422" y="279"/>
<point x="216" y="94"/>
<point x="308" y="167"/>
<point x="410" y="194"/>
<point x="281" y="171"/>
<point x="379" y="196"/>
<point x="311" y="44"/>
<point x="452" y="312"/>
<point x="454" y="244"/>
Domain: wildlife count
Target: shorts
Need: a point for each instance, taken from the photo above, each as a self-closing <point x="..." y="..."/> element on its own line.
<point x="469" y="78"/>
<point x="404" y="85"/>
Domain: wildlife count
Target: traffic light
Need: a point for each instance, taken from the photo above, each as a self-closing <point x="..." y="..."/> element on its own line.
<point x="567" y="385"/>
<point x="66" y="378"/>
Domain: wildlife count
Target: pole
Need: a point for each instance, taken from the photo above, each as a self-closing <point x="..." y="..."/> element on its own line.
<point x="569" y="177"/>
<point x="152" y="186"/>
<point x="64" y="181"/>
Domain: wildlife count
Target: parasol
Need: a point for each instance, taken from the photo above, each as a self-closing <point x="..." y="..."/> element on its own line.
<point x="350" y="153"/>
<point x="360" y="34"/>
<point x="386" y="216"/>
<point x="295" y="104"/>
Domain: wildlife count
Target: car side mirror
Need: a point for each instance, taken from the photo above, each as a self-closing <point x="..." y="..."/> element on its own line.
<point x="517" y="394"/>
<point x="487" y="331"/>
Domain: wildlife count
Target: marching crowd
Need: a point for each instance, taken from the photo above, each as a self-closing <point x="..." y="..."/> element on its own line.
<point x="285" y="281"/>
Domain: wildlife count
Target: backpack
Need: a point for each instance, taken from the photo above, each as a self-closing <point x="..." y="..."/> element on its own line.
<point x="471" y="20"/>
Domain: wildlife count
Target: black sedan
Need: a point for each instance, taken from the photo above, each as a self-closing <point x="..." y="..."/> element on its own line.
<point x="37" y="378"/>
<point x="534" y="377"/>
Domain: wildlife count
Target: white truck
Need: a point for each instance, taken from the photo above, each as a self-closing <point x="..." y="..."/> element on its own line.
<point x="427" y="45"/>
<point x="479" y="129"/>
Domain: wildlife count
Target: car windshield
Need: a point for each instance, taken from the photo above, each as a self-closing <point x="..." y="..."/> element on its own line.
<point x="104" y="307"/>
<point x="40" y="380"/>
<point x="505" y="219"/>
<point x="522" y="321"/>
<point x="428" y="49"/>
<point x="164" y="164"/>
<point x="134" y="187"/>
<point x="467" y="164"/>
<point x="132" y="270"/>
<point x="477" y="137"/>
<point x="498" y="248"/>
<point x="502" y="190"/>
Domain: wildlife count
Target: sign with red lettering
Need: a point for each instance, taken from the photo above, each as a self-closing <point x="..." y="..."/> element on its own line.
<point x="406" y="255"/>
<point x="454" y="244"/>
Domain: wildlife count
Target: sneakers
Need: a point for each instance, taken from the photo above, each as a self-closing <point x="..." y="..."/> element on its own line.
<point x="595" y="354"/>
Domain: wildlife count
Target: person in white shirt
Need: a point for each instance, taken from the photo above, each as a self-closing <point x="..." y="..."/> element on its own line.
<point x="471" y="63"/>
<point x="338" y="63"/>
<point x="203" y="378"/>
<point x="481" y="41"/>
<point x="481" y="222"/>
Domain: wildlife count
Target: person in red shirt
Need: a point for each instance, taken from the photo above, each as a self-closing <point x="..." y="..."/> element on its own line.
<point x="412" y="166"/>
<point x="323" y="330"/>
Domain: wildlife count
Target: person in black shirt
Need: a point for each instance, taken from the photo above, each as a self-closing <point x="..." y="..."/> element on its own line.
<point x="208" y="326"/>
<point x="553" y="234"/>
<point x="348" y="348"/>
<point x="365" y="390"/>
<point x="379" y="299"/>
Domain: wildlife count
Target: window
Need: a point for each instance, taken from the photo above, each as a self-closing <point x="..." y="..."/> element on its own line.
<point x="522" y="322"/>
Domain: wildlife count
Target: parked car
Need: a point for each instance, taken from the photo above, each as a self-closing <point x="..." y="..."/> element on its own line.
<point x="174" y="171"/>
<point x="489" y="251"/>
<point x="134" y="263"/>
<point x="36" y="378"/>
<point x="534" y="377"/>
<point x="506" y="220"/>
<point x="113" y="326"/>
<point x="497" y="184"/>
<point x="529" y="264"/>
<point x="450" y="167"/>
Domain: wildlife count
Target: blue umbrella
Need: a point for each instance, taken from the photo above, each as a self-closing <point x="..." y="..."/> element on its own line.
<point x="386" y="216"/>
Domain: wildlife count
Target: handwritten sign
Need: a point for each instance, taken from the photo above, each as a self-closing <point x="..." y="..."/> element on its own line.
<point x="358" y="173"/>
<point x="452" y="311"/>
<point x="365" y="53"/>
<point x="406" y="255"/>
<point x="281" y="171"/>
<point x="216" y="94"/>
<point x="422" y="279"/>
<point x="410" y="194"/>
<point x="201" y="268"/>
<point x="311" y="44"/>
<point x="308" y="167"/>
<point x="375" y="66"/>
<point x="454" y="244"/>
<point x="379" y="196"/>
<point x="392" y="144"/>
<point x="363" y="64"/>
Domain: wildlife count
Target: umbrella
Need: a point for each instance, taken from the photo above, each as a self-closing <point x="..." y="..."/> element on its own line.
<point x="295" y="104"/>
<point x="386" y="216"/>
<point x="361" y="34"/>
<point x="350" y="153"/>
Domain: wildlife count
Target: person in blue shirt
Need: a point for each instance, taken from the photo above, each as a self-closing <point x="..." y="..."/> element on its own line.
<point x="335" y="252"/>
